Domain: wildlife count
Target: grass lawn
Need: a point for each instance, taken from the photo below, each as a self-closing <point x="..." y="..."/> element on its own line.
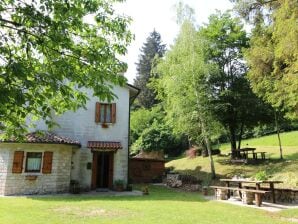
<point x="161" y="206"/>
<point x="286" y="170"/>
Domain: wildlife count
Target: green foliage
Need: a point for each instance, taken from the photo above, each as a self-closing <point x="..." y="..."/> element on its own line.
<point x="150" y="52"/>
<point x="182" y="84"/>
<point x="157" y="137"/>
<point x="234" y="104"/>
<point x="273" y="53"/>
<point x="149" y="129"/>
<point x="261" y="175"/>
<point x="49" y="52"/>
<point x="143" y="118"/>
<point x="119" y="182"/>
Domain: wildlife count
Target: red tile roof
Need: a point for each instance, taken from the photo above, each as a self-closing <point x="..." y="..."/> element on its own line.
<point x="45" y="137"/>
<point x="104" y="145"/>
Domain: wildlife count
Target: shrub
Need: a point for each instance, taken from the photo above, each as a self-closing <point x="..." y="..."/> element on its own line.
<point x="261" y="175"/>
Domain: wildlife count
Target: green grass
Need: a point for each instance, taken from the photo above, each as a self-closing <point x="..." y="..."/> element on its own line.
<point x="287" y="139"/>
<point x="161" y="206"/>
<point x="276" y="169"/>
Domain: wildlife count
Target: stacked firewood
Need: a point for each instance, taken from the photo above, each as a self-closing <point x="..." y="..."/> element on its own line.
<point x="284" y="195"/>
<point x="173" y="180"/>
<point x="184" y="182"/>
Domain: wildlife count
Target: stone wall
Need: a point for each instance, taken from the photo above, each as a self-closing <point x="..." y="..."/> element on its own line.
<point x="35" y="183"/>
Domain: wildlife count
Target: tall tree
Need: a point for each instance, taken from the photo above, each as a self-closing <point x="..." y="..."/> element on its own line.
<point x="50" y="51"/>
<point x="182" y="88"/>
<point x="150" y="52"/>
<point x="273" y="53"/>
<point x="233" y="102"/>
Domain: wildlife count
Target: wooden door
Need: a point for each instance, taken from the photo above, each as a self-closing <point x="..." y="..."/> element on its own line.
<point x="102" y="170"/>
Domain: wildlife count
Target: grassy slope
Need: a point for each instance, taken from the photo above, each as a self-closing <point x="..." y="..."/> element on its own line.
<point x="287" y="139"/>
<point x="161" y="206"/>
<point x="279" y="170"/>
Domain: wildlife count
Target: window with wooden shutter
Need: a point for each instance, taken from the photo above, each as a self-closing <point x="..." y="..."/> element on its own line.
<point x="33" y="162"/>
<point x="17" y="165"/>
<point x="47" y="162"/>
<point x="105" y="113"/>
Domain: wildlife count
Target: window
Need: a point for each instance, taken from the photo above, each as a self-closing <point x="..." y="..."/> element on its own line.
<point x="33" y="162"/>
<point x="105" y="113"/>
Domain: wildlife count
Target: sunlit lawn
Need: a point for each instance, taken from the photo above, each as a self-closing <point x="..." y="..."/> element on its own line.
<point x="161" y="206"/>
<point x="286" y="170"/>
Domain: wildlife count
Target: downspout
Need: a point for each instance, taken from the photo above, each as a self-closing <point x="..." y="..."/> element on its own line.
<point x="131" y="100"/>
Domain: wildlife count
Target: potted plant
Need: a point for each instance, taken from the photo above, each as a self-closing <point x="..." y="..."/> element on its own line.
<point x="118" y="185"/>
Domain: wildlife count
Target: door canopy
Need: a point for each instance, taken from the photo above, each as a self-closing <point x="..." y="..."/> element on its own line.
<point x="104" y="146"/>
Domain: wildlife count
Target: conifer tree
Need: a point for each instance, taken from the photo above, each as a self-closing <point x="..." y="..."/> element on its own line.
<point x="151" y="50"/>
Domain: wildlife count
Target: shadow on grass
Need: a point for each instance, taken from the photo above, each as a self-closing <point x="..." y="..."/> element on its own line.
<point x="156" y="193"/>
<point x="293" y="156"/>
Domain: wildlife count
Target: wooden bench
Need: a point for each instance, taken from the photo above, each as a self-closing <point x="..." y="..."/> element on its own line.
<point x="258" y="193"/>
<point x="255" y="155"/>
<point x="263" y="155"/>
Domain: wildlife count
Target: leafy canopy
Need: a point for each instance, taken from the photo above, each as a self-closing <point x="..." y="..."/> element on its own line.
<point x="273" y="53"/>
<point x="50" y="50"/>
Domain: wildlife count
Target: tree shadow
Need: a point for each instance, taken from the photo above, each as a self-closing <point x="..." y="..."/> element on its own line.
<point x="156" y="193"/>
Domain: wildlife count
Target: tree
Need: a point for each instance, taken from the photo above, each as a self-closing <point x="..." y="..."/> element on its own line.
<point x="273" y="53"/>
<point x="182" y="88"/>
<point x="151" y="50"/>
<point x="149" y="131"/>
<point x="233" y="102"/>
<point x="50" y="53"/>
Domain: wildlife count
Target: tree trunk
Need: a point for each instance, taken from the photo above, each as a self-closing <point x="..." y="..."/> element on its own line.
<point x="278" y="133"/>
<point x="209" y="149"/>
<point x="240" y="135"/>
<point x="233" y="142"/>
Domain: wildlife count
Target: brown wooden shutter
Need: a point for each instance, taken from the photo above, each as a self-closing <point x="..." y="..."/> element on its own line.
<point x="97" y="112"/>
<point x="47" y="162"/>
<point x="113" y="112"/>
<point x="17" y="165"/>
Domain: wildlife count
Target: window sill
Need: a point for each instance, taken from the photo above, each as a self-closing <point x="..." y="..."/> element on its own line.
<point x="31" y="177"/>
<point x="105" y="125"/>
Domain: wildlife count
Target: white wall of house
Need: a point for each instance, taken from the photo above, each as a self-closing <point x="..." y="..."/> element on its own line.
<point x="81" y="126"/>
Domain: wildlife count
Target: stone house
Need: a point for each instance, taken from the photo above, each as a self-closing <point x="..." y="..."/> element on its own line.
<point x="89" y="146"/>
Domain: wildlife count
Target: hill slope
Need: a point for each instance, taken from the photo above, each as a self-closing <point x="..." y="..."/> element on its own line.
<point x="286" y="170"/>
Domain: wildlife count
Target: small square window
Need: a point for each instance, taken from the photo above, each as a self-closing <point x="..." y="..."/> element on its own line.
<point x="33" y="162"/>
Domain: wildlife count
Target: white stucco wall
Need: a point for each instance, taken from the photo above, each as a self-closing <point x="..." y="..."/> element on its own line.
<point x="17" y="183"/>
<point x="81" y="126"/>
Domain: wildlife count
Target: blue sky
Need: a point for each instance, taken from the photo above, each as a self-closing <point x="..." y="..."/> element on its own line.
<point x="160" y="14"/>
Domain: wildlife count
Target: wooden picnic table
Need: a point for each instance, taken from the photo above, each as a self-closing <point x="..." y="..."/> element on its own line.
<point x="244" y="152"/>
<point x="256" y="182"/>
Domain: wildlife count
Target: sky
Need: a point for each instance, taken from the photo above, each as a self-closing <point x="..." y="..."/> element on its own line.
<point x="148" y="15"/>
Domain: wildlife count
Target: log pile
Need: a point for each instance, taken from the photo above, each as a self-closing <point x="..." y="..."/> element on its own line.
<point x="284" y="195"/>
<point x="184" y="182"/>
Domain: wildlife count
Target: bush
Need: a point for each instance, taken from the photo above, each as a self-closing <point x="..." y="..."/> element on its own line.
<point x="261" y="175"/>
<point x="154" y="138"/>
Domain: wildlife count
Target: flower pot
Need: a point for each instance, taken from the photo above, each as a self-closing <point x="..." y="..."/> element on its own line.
<point x="119" y="188"/>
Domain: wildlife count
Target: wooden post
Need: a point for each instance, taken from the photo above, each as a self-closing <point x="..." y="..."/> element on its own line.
<point x="272" y="192"/>
<point x="258" y="198"/>
<point x="228" y="185"/>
